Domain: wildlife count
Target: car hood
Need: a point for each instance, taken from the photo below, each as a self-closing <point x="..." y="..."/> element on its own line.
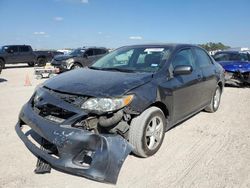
<point x="97" y="83"/>
<point x="234" y="66"/>
<point x="62" y="57"/>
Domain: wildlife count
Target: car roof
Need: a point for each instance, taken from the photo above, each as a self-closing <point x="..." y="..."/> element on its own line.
<point x="172" y="45"/>
<point x="15" y="45"/>
<point x="93" y="47"/>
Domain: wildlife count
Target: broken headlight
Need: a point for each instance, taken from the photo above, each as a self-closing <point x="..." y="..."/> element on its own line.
<point x="107" y="104"/>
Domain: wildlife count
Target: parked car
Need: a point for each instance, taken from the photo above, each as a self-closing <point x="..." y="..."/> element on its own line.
<point x="90" y="119"/>
<point x="236" y="65"/>
<point x="13" y="54"/>
<point x="78" y="58"/>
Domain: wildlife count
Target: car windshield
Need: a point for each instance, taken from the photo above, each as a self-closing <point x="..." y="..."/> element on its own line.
<point x="231" y="57"/>
<point x="77" y="52"/>
<point x="134" y="59"/>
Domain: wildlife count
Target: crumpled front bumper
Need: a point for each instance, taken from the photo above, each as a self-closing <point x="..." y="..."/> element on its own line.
<point x="105" y="154"/>
<point x="60" y="65"/>
<point x="237" y="78"/>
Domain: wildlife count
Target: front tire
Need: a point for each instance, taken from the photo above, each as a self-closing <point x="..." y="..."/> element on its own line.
<point x="2" y="65"/>
<point x="215" y="101"/>
<point x="76" y="66"/>
<point x="147" y="132"/>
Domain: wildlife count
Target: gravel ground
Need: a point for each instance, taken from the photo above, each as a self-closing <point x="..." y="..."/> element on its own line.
<point x="207" y="150"/>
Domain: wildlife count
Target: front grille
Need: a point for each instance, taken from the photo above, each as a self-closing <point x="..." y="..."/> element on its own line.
<point x="69" y="98"/>
<point x="53" y="113"/>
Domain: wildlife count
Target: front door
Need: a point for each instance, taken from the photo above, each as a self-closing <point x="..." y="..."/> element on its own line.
<point x="13" y="54"/>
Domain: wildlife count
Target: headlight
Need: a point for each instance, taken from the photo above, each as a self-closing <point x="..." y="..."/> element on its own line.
<point x="107" y="104"/>
<point x="70" y="60"/>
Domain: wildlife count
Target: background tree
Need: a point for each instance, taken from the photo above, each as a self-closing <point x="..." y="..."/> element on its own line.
<point x="211" y="46"/>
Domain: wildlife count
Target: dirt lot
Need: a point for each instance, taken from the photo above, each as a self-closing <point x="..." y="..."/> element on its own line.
<point x="208" y="150"/>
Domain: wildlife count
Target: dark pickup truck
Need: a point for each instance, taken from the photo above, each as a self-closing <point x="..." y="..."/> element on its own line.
<point x="13" y="54"/>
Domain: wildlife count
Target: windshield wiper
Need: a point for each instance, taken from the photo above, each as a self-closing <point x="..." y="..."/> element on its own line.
<point x="112" y="69"/>
<point x="118" y="69"/>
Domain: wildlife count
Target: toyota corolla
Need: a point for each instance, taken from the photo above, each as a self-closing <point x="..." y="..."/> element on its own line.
<point x="87" y="121"/>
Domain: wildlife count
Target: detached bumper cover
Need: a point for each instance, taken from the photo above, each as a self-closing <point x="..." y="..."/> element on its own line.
<point x="104" y="154"/>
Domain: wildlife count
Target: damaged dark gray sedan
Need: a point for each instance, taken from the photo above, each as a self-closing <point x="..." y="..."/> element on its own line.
<point x="85" y="122"/>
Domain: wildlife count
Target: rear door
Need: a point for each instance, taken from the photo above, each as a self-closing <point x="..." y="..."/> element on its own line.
<point x="186" y="88"/>
<point x="99" y="53"/>
<point x="205" y="63"/>
<point x="26" y="54"/>
<point x="89" y="57"/>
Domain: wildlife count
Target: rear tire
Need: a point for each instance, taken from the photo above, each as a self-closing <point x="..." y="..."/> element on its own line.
<point x="215" y="101"/>
<point x="41" y="62"/>
<point x="147" y="132"/>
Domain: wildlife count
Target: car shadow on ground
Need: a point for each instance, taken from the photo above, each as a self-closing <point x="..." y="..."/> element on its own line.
<point x="3" y="80"/>
<point x="183" y="121"/>
<point x="239" y="86"/>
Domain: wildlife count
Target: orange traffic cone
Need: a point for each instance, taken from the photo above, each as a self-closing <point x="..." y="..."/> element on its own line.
<point x="27" y="81"/>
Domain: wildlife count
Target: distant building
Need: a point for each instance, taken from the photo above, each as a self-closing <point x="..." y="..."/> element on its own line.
<point x="238" y="49"/>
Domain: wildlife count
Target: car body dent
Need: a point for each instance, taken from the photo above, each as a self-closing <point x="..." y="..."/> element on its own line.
<point x="108" y="152"/>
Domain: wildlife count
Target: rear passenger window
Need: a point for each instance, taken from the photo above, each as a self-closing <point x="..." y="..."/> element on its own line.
<point x="14" y="49"/>
<point x="99" y="51"/>
<point x="184" y="57"/>
<point x="202" y="58"/>
<point x="89" y="52"/>
<point x="24" y="49"/>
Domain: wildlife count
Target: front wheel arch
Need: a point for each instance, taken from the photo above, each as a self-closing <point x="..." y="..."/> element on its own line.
<point x="163" y="107"/>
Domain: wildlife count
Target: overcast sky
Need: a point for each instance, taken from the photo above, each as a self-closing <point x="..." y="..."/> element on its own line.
<point x="113" y="23"/>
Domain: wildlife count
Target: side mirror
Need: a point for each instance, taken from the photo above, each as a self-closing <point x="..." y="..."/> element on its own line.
<point x="183" y="69"/>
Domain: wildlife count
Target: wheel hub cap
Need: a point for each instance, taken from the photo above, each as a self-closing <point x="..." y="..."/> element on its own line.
<point x="217" y="98"/>
<point x="154" y="133"/>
